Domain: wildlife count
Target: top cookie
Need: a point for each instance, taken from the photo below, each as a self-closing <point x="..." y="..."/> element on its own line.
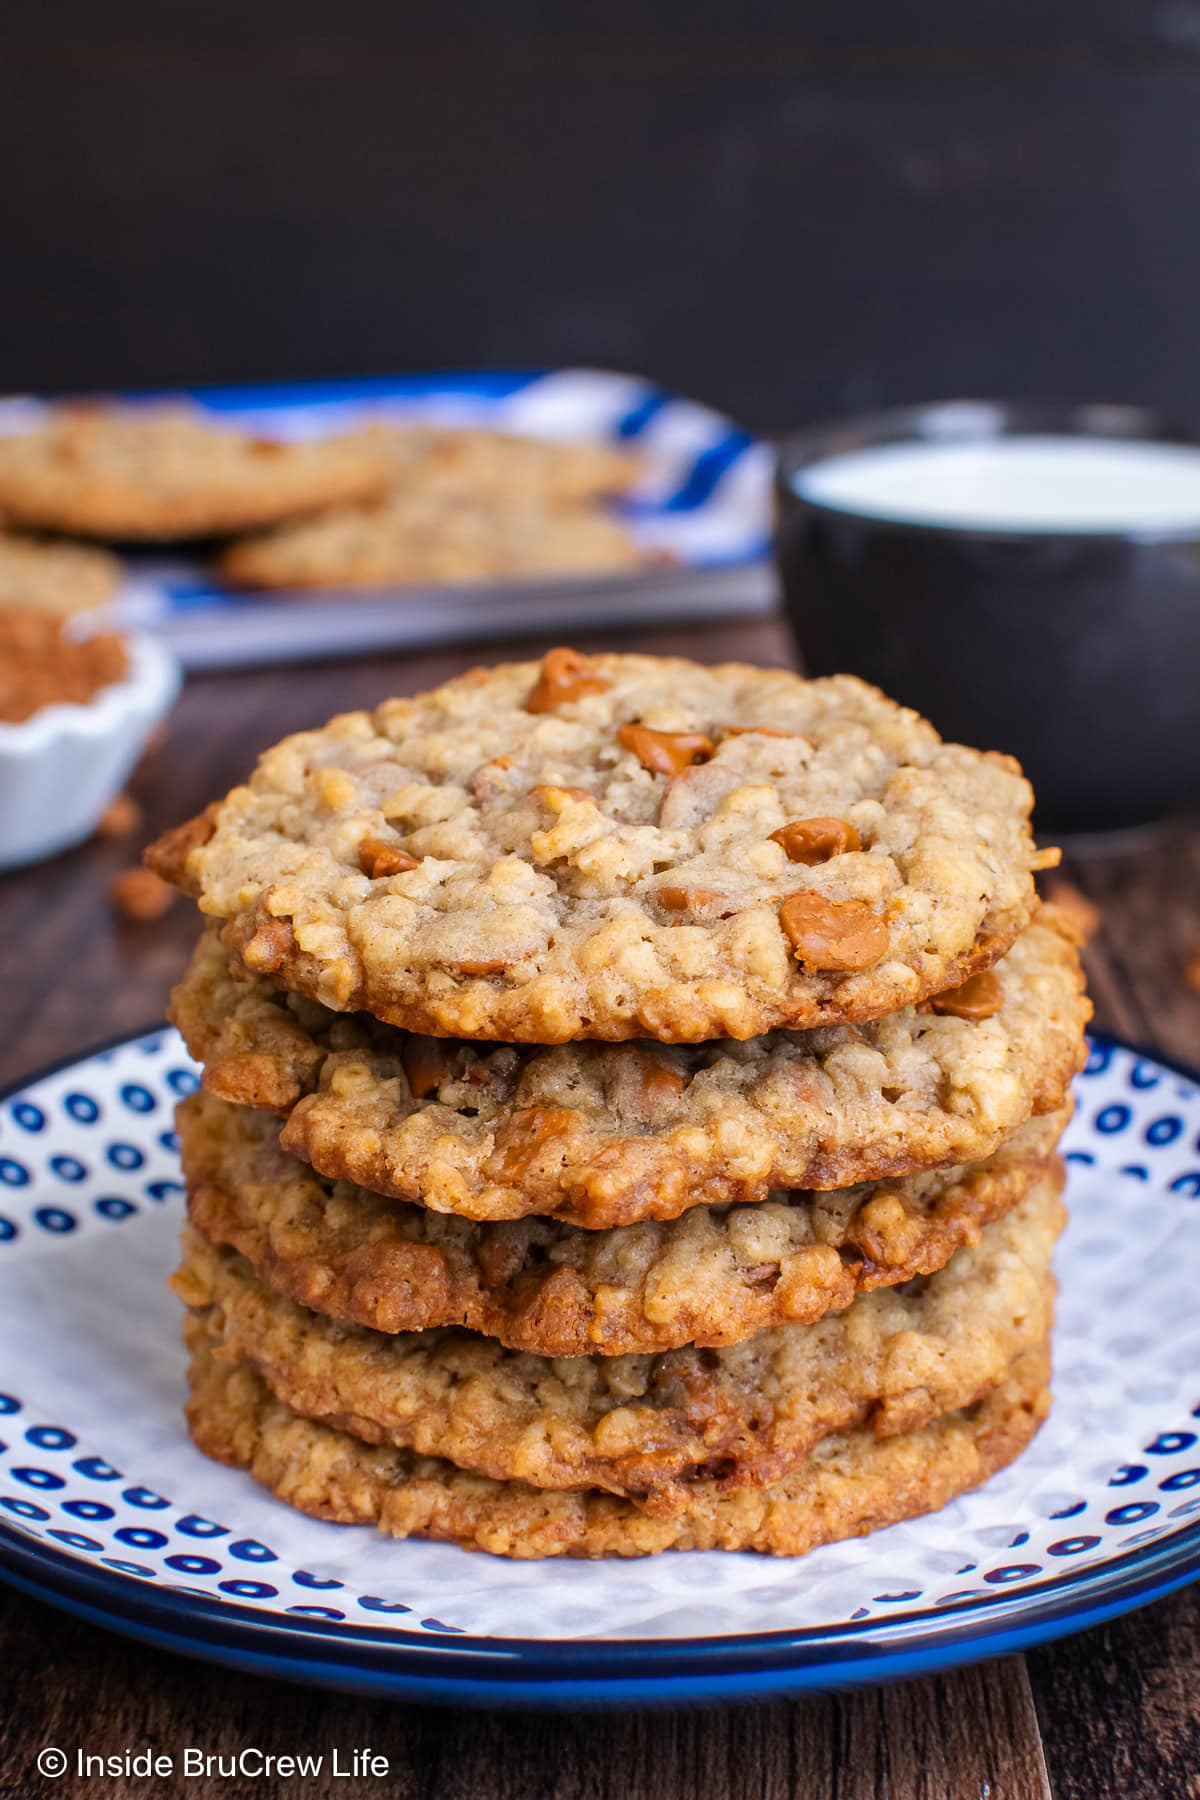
<point x="616" y="847"/>
<point x="171" y="472"/>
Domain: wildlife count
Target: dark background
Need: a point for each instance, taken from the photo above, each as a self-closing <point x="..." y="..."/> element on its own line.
<point x="786" y="210"/>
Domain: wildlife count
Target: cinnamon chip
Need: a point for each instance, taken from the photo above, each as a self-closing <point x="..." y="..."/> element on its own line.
<point x="977" y="998"/>
<point x="665" y="752"/>
<point x="816" y="840"/>
<point x="262" y="940"/>
<point x="833" y="934"/>
<point x="523" y="1138"/>
<point x="547" y="789"/>
<point x="120" y="818"/>
<point x="140" y="894"/>
<point x="1191" y="970"/>
<point x="657" y="1081"/>
<point x="565" y="675"/>
<point x="693" y="900"/>
<point x="426" y="1063"/>
<point x="378" y="859"/>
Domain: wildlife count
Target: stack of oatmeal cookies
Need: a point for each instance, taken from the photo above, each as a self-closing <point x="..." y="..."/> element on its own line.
<point x="630" y="1106"/>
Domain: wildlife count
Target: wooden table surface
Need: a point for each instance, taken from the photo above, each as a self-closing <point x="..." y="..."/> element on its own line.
<point x="1111" y="1713"/>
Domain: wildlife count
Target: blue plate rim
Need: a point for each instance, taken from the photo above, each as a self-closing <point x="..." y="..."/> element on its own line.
<point x="459" y="1668"/>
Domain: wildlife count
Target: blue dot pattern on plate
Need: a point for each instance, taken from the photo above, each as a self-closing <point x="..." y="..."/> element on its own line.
<point x="103" y="1125"/>
<point x="91" y="1154"/>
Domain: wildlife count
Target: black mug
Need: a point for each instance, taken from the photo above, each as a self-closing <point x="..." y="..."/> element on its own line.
<point x="1076" y="651"/>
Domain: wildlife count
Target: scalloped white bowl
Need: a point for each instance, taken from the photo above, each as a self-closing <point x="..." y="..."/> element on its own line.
<point x="60" y="768"/>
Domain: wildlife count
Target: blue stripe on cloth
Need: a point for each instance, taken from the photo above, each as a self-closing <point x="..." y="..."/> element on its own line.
<point x="638" y="417"/>
<point x="185" y="596"/>
<point x="706" y="472"/>
<point x="490" y="384"/>
<point x="704" y="475"/>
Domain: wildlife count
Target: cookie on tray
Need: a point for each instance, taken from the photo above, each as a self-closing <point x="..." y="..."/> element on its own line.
<point x="53" y="577"/>
<point x="441" y="539"/>
<point x="712" y="1277"/>
<point x="649" y="1427"/>
<point x="617" y="847"/>
<point x="603" y="1135"/>
<point x="853" y="1482"/>
<point x="503" y="469"/>
<point x="159" y="472"/>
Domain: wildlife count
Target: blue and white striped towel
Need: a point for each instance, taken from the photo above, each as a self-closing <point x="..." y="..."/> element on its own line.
<point x="704" y="497"/>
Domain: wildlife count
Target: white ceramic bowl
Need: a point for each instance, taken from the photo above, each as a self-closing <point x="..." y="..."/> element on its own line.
<point x="60" y="768"/>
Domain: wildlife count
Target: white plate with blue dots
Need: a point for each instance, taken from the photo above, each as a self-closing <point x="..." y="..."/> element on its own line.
<point x="107" y="1508"/>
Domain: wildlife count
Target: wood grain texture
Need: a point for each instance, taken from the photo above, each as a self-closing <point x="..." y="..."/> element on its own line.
<point x="969" y="1736"/>
<point x="1118" y="1707"/>
<point x="1111" y="1714"/>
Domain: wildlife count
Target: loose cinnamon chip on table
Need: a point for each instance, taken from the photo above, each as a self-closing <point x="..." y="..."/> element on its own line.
<point x="141" y="894"/>
<point x="833" y="934"/>
<point x="565" y="675"/>
<point x="377" y="858"/>
<point x="816" y="840"/>
<point x="426" y="1063"/>
<point x="120" y="818"/>
<point x="665" y="752"/>
<point x="978" y="997"/>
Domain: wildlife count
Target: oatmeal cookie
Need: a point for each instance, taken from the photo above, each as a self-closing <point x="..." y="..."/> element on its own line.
<point x="503" y="469"/>
<point x="603" y="1135"/>
<point x="161" y="472"/>
<point x="854" y="1482"/>
<point x="711" y="1277"/>
<point x="412" y="536"/>
<point x="618" y="847"/>
<point x="53" y="577"/>
<point x="649" y="1427"/>
<point x="463" y="506"/>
